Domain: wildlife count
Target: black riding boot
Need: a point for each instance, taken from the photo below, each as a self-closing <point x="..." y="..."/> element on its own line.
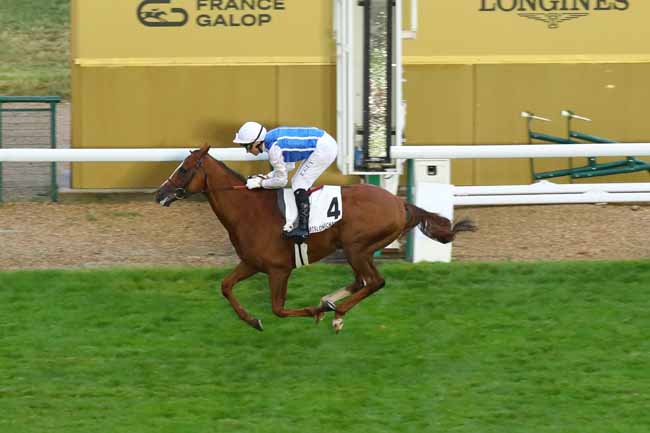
<point x="301" y="233"/>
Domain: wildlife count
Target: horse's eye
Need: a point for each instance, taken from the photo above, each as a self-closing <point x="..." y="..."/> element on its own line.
<point x="182" y="170"/>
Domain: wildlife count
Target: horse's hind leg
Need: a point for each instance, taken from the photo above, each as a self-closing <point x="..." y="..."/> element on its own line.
<point x="339" y="294"/>
<point x="278" y="283"/>
<point x="345" y="291"/>
<point x="241" y="272"/>
<point x="365" y="268"/>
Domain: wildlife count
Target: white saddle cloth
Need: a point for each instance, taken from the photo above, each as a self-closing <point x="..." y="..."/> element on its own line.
<point x="326" y="208"/>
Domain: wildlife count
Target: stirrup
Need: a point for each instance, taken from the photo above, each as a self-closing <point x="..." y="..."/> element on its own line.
<point x="297" y="235"/>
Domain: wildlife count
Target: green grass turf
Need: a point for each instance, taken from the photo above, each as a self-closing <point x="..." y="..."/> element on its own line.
<point x="539" y="347"/>
<point x="34" y="47"/>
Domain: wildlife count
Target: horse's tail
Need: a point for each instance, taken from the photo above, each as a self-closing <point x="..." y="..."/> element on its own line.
<point x="435" y="226"/>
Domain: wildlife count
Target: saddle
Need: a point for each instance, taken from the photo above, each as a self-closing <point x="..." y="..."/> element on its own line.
<point x="326" y="208"/>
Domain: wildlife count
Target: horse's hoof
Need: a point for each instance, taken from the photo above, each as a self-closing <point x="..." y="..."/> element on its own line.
<point x="337" y="324"/>
<point x="328" y="305"/>
<point x="257" y="324"/>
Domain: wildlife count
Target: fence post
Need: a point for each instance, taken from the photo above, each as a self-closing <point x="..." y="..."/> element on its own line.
<point x="54" y="188"/>
<point x="1" y="115"/>
<point x="410" y="179"/>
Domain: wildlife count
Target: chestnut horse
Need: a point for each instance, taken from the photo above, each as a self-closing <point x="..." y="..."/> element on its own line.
<point x="372" y="219"/>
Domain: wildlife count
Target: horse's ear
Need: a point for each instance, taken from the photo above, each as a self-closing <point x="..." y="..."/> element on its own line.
<point x="204" y="149"/>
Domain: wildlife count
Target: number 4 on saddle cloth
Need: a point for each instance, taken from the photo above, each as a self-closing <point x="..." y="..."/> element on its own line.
<point x="326" y="210"/>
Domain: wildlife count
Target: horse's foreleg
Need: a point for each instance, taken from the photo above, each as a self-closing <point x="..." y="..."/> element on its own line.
<point x="278" y="282"/>
<point x="241" y="272"/>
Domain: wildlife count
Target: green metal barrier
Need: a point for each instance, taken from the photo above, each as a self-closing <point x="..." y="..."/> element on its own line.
<point x="629" y="165"/>
<point x="532" y="135"/>
<point x="25" y="101"/>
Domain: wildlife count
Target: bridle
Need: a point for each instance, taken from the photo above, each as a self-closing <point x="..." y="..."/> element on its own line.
<point x="179" y="190"/>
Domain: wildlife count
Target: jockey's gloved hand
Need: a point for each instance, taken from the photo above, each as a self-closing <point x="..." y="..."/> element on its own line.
<point x="254" y="182"/>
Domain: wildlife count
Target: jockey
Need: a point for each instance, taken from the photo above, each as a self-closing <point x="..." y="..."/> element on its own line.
<point x="285" y="146"/>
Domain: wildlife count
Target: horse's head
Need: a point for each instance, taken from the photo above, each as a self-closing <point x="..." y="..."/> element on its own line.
<point x="188" y="178"/>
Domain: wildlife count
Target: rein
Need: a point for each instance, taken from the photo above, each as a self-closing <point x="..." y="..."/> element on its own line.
<point x="228" y="188"/>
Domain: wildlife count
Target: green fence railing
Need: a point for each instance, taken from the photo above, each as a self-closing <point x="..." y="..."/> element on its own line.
<point x="593" y="168"/>
<point x="29" y="104"/>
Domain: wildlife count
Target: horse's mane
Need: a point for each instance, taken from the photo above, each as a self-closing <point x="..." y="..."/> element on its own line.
<point x="229" y="170"/>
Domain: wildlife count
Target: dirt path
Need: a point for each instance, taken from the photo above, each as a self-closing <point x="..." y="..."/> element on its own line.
<point x="142" y="233"/>
<point x="556" y="232"/>
<point x="46" y="235"/>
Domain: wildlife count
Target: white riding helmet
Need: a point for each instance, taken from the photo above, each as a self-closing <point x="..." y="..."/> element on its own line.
<point x="249" y="133"/>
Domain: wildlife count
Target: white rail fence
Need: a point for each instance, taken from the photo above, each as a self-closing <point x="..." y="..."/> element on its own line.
<point x="520" y="151"/>
<point x="398" y="152"/>
<point x="546" y="192"/>
<point x="118" y="155"/>
<point x="540" y="193"/>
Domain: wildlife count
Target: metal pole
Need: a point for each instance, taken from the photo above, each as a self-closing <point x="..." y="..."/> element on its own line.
<point x="410" y="198"/>
<point x="1" y="115"/>
<point x="54" y="188"/>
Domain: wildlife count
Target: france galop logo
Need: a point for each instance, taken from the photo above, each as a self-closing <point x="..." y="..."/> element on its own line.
<point x="153" y="13"/>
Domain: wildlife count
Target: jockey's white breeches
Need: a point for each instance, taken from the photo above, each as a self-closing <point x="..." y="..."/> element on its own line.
<point x="316" y="164"/>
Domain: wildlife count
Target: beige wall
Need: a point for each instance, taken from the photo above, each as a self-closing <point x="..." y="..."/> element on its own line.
<point x="141" y="86"/>
<point x="481" y="104"/>
<point x="187" y="106"/>
<point x="468" y="75"/>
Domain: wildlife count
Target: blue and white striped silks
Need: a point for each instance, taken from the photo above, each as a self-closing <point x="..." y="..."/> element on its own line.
<point x="297" y="143"/>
